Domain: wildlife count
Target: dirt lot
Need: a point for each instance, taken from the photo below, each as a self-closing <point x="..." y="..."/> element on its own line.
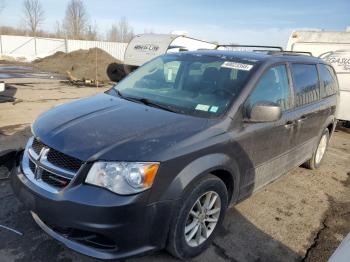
<point x="303" y="216"/>
<point x="96" y="62"/>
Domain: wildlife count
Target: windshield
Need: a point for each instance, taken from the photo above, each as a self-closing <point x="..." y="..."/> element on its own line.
<point x="187" y="83"/>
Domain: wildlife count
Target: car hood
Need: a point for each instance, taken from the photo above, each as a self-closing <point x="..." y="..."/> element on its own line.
<point x="105" y="127"/>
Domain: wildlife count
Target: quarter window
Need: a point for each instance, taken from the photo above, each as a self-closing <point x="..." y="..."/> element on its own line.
<point x="306" y="84"/>
<point x="329" y="84"/>
<point x="273" y="86"/>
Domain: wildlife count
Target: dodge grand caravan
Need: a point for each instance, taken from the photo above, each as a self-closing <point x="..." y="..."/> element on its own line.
<point x="155" y="161"/>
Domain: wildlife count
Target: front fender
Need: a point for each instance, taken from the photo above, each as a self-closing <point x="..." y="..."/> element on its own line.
<point x="200" y="167"/>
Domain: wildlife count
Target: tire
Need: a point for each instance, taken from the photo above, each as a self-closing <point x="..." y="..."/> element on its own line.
<point x="209" y="187"/>
<point x="129" y="69"/>
<point x="316" y="160"/>
<point x="116" y="72"/>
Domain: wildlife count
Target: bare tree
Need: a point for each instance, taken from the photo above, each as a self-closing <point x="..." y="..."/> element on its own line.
<point x="58" y="30"/>
<point x="92" y="32"/>
<point x="113" y="34"/>
<point x="2" y="5"/>
<point x="76" y="19"/>
<point x="33" y="15"/>
<point x="121" y="31"/>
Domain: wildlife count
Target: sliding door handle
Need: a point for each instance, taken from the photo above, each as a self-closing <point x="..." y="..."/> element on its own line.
<point x="289" y="124"/>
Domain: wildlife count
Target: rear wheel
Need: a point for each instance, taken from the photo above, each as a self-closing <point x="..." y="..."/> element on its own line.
<point x="317" y="157"/>
<point x="196" y="224"/>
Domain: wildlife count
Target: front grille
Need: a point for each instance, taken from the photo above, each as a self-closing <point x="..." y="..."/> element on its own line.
<point x="49" y="177"/>
<point x="54" y="180"/>
<point x="57" y="158"/>
<point x="32" y="166"/>
<point x="37" y="146"/>
<point x="61" y="160"/>
<point x="61" y="166"/>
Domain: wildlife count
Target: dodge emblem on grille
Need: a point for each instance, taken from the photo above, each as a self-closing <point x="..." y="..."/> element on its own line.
<point x="42" y="156"/>
<point x="43" y="153"/>
<point x="38" y="172"/>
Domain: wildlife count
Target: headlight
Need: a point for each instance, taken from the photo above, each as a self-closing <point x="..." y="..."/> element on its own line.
<point x="122" y="177"/>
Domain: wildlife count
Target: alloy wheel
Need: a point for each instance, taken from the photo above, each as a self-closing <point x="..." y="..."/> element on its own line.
<point x="321" y="149"/>
<point x="202" y="218"/>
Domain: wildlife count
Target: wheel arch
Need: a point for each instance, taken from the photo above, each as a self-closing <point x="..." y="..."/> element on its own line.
<point x="330" y="124"/>
<point x="331" y="127"/>
<point x="218" y="164"/>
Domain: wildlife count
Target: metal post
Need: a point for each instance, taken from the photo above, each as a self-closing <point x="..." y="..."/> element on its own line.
<point x="66" y="45"/>
<point x="1" y="43"/>
<point x="96" y="80"/>
<point x="35" y="46"/>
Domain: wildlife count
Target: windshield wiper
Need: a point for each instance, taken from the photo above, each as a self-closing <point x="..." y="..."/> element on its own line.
<point x="120" y="94"/>
<point x="153" y="104"/>
<point x="144" y="101"/>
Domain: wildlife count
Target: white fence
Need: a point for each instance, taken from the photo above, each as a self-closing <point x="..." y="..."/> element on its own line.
<point x="35" y="47"/>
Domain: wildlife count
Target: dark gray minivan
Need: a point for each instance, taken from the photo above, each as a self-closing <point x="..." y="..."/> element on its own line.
<point x="155" y="161"/>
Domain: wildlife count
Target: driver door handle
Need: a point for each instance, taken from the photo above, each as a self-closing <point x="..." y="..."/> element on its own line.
<point x="302" y="119"/>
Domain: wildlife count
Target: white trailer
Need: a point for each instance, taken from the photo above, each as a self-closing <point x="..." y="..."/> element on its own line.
<point x="144" y="47"/>
<point x="333" y="47"/>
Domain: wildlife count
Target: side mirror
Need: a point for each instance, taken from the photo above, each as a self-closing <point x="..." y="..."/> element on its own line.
<point x="264" y="112"/>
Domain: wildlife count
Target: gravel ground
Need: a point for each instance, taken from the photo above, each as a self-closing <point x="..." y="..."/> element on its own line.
<point x="302" y="216"/>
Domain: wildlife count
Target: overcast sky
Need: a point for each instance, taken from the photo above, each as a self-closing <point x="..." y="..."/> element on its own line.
<point x="229" y="21"/>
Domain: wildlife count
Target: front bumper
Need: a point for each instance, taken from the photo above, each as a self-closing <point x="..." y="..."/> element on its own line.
<point x="94" y="221"/>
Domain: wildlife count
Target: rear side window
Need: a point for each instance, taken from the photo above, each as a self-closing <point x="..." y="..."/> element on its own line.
<point x="329" y="83"/>
<point x="273" y="86"/>
<point x="306" y="84"/>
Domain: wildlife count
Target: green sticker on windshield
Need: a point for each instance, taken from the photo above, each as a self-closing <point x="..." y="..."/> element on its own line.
<point x="202" y="107"/>
<point x="214" y="109"/>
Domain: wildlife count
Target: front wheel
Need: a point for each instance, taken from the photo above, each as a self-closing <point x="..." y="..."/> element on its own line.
<point x="319" y="153"/>
<point x="195" y="225"/>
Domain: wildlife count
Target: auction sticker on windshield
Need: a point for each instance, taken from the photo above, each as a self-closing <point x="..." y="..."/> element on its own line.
<point x="202" y="107"/>
<point x="238" y="66"/>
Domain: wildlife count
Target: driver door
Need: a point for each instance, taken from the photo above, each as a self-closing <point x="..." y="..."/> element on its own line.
<point x="267" y="144"/>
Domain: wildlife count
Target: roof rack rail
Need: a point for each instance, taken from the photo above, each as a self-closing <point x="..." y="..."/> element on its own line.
<point x="253" y="46"/>
<point x="266" y="48"/>
<point x="290" y="53"/>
